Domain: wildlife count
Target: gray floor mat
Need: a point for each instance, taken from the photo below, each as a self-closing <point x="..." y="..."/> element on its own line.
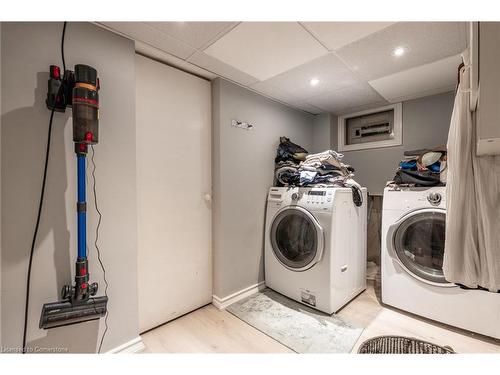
<point x="302" y="329"/>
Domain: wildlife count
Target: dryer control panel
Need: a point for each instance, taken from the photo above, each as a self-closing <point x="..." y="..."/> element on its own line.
<point x="410" y="198"/>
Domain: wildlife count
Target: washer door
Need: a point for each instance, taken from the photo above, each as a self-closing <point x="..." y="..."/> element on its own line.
<point x="417" y="242"/>
<point x="296" y="238"/>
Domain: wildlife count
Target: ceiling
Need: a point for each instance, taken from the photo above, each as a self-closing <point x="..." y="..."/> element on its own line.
<point x="317" y="67"/>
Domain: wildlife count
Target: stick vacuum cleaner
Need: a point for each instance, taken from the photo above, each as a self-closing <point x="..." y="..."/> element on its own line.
<point x="79" y="90"/>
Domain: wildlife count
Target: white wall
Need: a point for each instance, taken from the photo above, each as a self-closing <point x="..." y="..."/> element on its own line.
<point x="27" y="51"/>
<point x="243" y="170"/>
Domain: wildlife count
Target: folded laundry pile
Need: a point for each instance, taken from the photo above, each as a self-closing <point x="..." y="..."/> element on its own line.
<point x="324" y="168"/>
<point x="425" y="167"/>
<point x="295" y="167"/>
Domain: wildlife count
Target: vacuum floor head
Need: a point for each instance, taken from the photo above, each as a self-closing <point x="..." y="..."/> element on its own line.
<point x="59" y="314"/>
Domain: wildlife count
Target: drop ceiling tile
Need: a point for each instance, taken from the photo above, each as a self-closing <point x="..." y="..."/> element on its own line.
<point x="156" y="54"/>
<point x="266" y="49"/>
<point x="306" y="107"/>
<point x="346" y="98"/>
<point x="332" y="74"/>
<point x="372" y="57"/>
<point x="196" y="34"/>
<point x="434" y="78"/>
<point x="274" y="92"/>
<point x="362" y="108"/>
<point x="334" y="35"/>
<point x="144" y="33"/>
<point x="222" y="69"/>
<point x="270" y="91"/>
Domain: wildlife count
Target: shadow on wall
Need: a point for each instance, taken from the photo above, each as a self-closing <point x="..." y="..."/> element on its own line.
<point x="374" y="228"/>
<point x="24" y="137"/>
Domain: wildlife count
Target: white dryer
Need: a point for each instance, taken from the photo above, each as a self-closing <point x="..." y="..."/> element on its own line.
<point x="315" y="245"/>
<point x="413" y="235"/>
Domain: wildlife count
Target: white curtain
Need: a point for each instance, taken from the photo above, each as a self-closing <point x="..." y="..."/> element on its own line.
<point x="472" y="247"/>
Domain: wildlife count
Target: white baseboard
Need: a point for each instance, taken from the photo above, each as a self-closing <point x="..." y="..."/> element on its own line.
<point x="133" y="346"/>
<point x="222" y="303"/>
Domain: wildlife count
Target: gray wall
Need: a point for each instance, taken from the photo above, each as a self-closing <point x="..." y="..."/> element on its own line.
<point x="0" y="185"/>
<point x="321" y="132"/>
<point x="27" y="51"/>
<point x="425" y="124"/>
<point x="243" y="169"/>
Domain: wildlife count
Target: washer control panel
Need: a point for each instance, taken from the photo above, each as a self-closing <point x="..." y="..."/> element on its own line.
<point x="320" y="199"/>
<point x="434" y="198"/>
<point x="312" y="199"/>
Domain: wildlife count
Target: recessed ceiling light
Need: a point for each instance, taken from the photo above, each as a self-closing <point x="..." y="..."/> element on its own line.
<point x="399" y="51"/>
<point x="314" y="81"/>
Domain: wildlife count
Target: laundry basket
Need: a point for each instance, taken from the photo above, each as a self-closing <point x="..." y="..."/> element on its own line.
<point x="401" y="345"/>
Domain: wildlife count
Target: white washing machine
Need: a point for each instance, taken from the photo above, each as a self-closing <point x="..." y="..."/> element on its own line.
<point x="413" y="234"/>
<point x="315" y="245"/>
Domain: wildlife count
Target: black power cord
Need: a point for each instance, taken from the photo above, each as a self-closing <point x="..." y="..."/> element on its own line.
<point x="96" y="244"/>
<point x="40" y="206"/>
<point x="62" y="48"/>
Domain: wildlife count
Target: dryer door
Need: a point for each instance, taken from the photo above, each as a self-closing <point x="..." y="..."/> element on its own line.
<point x="296" y="238"/>
<point x="417" y="242"/>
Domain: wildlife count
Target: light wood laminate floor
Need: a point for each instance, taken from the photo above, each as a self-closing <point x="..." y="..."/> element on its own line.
<point x="209" y="330"/>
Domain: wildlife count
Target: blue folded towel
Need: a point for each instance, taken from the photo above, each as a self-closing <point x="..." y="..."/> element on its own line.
<point x="408" y="165"/>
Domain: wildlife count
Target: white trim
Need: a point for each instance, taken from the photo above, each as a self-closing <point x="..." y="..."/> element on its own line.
<point x="222" y="303"/>
<point x="133" y="346"/>
<point x="488" y="146"/>
<point x="398" y="129"/>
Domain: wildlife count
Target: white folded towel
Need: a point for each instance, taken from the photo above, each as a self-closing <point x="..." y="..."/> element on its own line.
<point x="325" y="155"/>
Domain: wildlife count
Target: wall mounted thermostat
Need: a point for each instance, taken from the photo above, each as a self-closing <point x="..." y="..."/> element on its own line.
<point x="241" y="125"/>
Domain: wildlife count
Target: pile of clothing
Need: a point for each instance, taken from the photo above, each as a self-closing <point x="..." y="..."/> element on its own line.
<point x="294" y="166"/>
<point x="287" y="162"/>
<point x="324" y="168"/>
<point x="425" y="167"/>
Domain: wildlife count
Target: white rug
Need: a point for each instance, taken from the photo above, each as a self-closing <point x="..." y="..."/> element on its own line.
<point x="296" y="326"/>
